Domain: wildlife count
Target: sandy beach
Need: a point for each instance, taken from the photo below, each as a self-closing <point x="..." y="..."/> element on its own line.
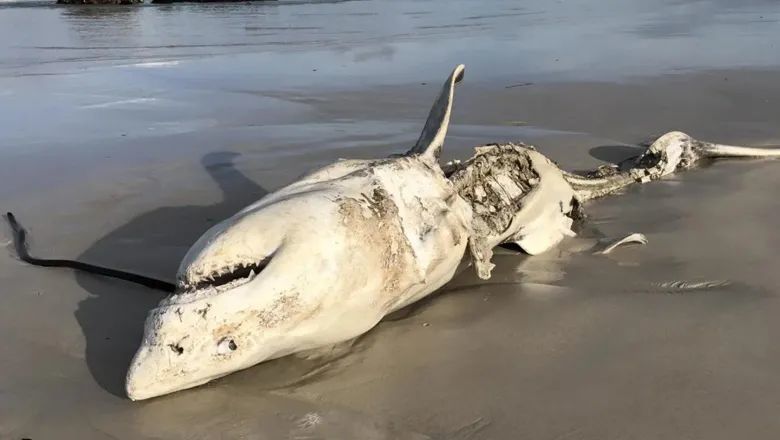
<point x="127" y="131"/>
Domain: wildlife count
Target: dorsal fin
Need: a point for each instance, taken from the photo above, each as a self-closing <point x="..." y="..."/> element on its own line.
<point x="432" y="137"/>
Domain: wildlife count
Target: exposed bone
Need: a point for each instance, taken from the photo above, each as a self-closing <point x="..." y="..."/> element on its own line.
<point x="674" y="151"/>
<point x="517" y="195"/>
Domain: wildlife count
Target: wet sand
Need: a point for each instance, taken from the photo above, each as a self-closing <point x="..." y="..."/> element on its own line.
<point x="125" y="163"/>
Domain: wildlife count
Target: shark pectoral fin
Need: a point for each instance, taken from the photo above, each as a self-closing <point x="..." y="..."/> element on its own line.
<point x="630" y="239"/>
<point x="432" y="137"/>
<point x="481" y="254"/>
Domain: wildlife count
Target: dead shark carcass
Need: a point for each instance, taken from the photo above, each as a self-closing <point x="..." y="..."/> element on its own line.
<point x="325" y="258"/>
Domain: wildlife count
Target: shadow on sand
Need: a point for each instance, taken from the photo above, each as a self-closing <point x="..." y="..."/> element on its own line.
<point x="153" y="244"/>
<point x="615" y="153"/>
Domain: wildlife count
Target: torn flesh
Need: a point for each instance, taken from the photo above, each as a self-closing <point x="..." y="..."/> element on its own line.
<point x="517" y="195"/>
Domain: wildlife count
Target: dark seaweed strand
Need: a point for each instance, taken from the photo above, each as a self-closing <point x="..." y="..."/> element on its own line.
<point x="20" y="243"/>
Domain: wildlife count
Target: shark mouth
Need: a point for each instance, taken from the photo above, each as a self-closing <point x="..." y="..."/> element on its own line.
<point x="226" y="278"/>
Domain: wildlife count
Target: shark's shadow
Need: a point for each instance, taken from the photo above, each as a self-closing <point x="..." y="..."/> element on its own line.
<point x="152" y="244"/>
<point x="615" y="153"/>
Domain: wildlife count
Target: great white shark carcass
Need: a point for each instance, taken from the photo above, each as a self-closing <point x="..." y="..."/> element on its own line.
<point x="325" y="258"/>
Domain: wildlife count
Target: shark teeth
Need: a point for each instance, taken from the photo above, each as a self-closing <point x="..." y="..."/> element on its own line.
<point x="226" y="278"/>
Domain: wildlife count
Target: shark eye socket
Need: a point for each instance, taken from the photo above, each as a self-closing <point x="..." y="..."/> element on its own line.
<point x="226" y="345"/>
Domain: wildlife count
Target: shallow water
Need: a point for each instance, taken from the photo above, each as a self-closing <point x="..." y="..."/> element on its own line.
<point x="128" y="131"/>
<point x="133" y="68"/>
<point x="395" y="41"/>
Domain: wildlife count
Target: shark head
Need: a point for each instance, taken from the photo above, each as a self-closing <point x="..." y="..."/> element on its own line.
<point x="315" y="263"/>
<point x="203" y="331"/>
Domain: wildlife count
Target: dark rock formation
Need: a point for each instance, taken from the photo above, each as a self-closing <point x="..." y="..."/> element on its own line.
<point x="99" y="2"/>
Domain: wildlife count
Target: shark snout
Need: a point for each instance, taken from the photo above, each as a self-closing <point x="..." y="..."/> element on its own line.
<point x="187" y="344"/>
<point x="154" y="372"/>
<point x="139" y="383"/>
